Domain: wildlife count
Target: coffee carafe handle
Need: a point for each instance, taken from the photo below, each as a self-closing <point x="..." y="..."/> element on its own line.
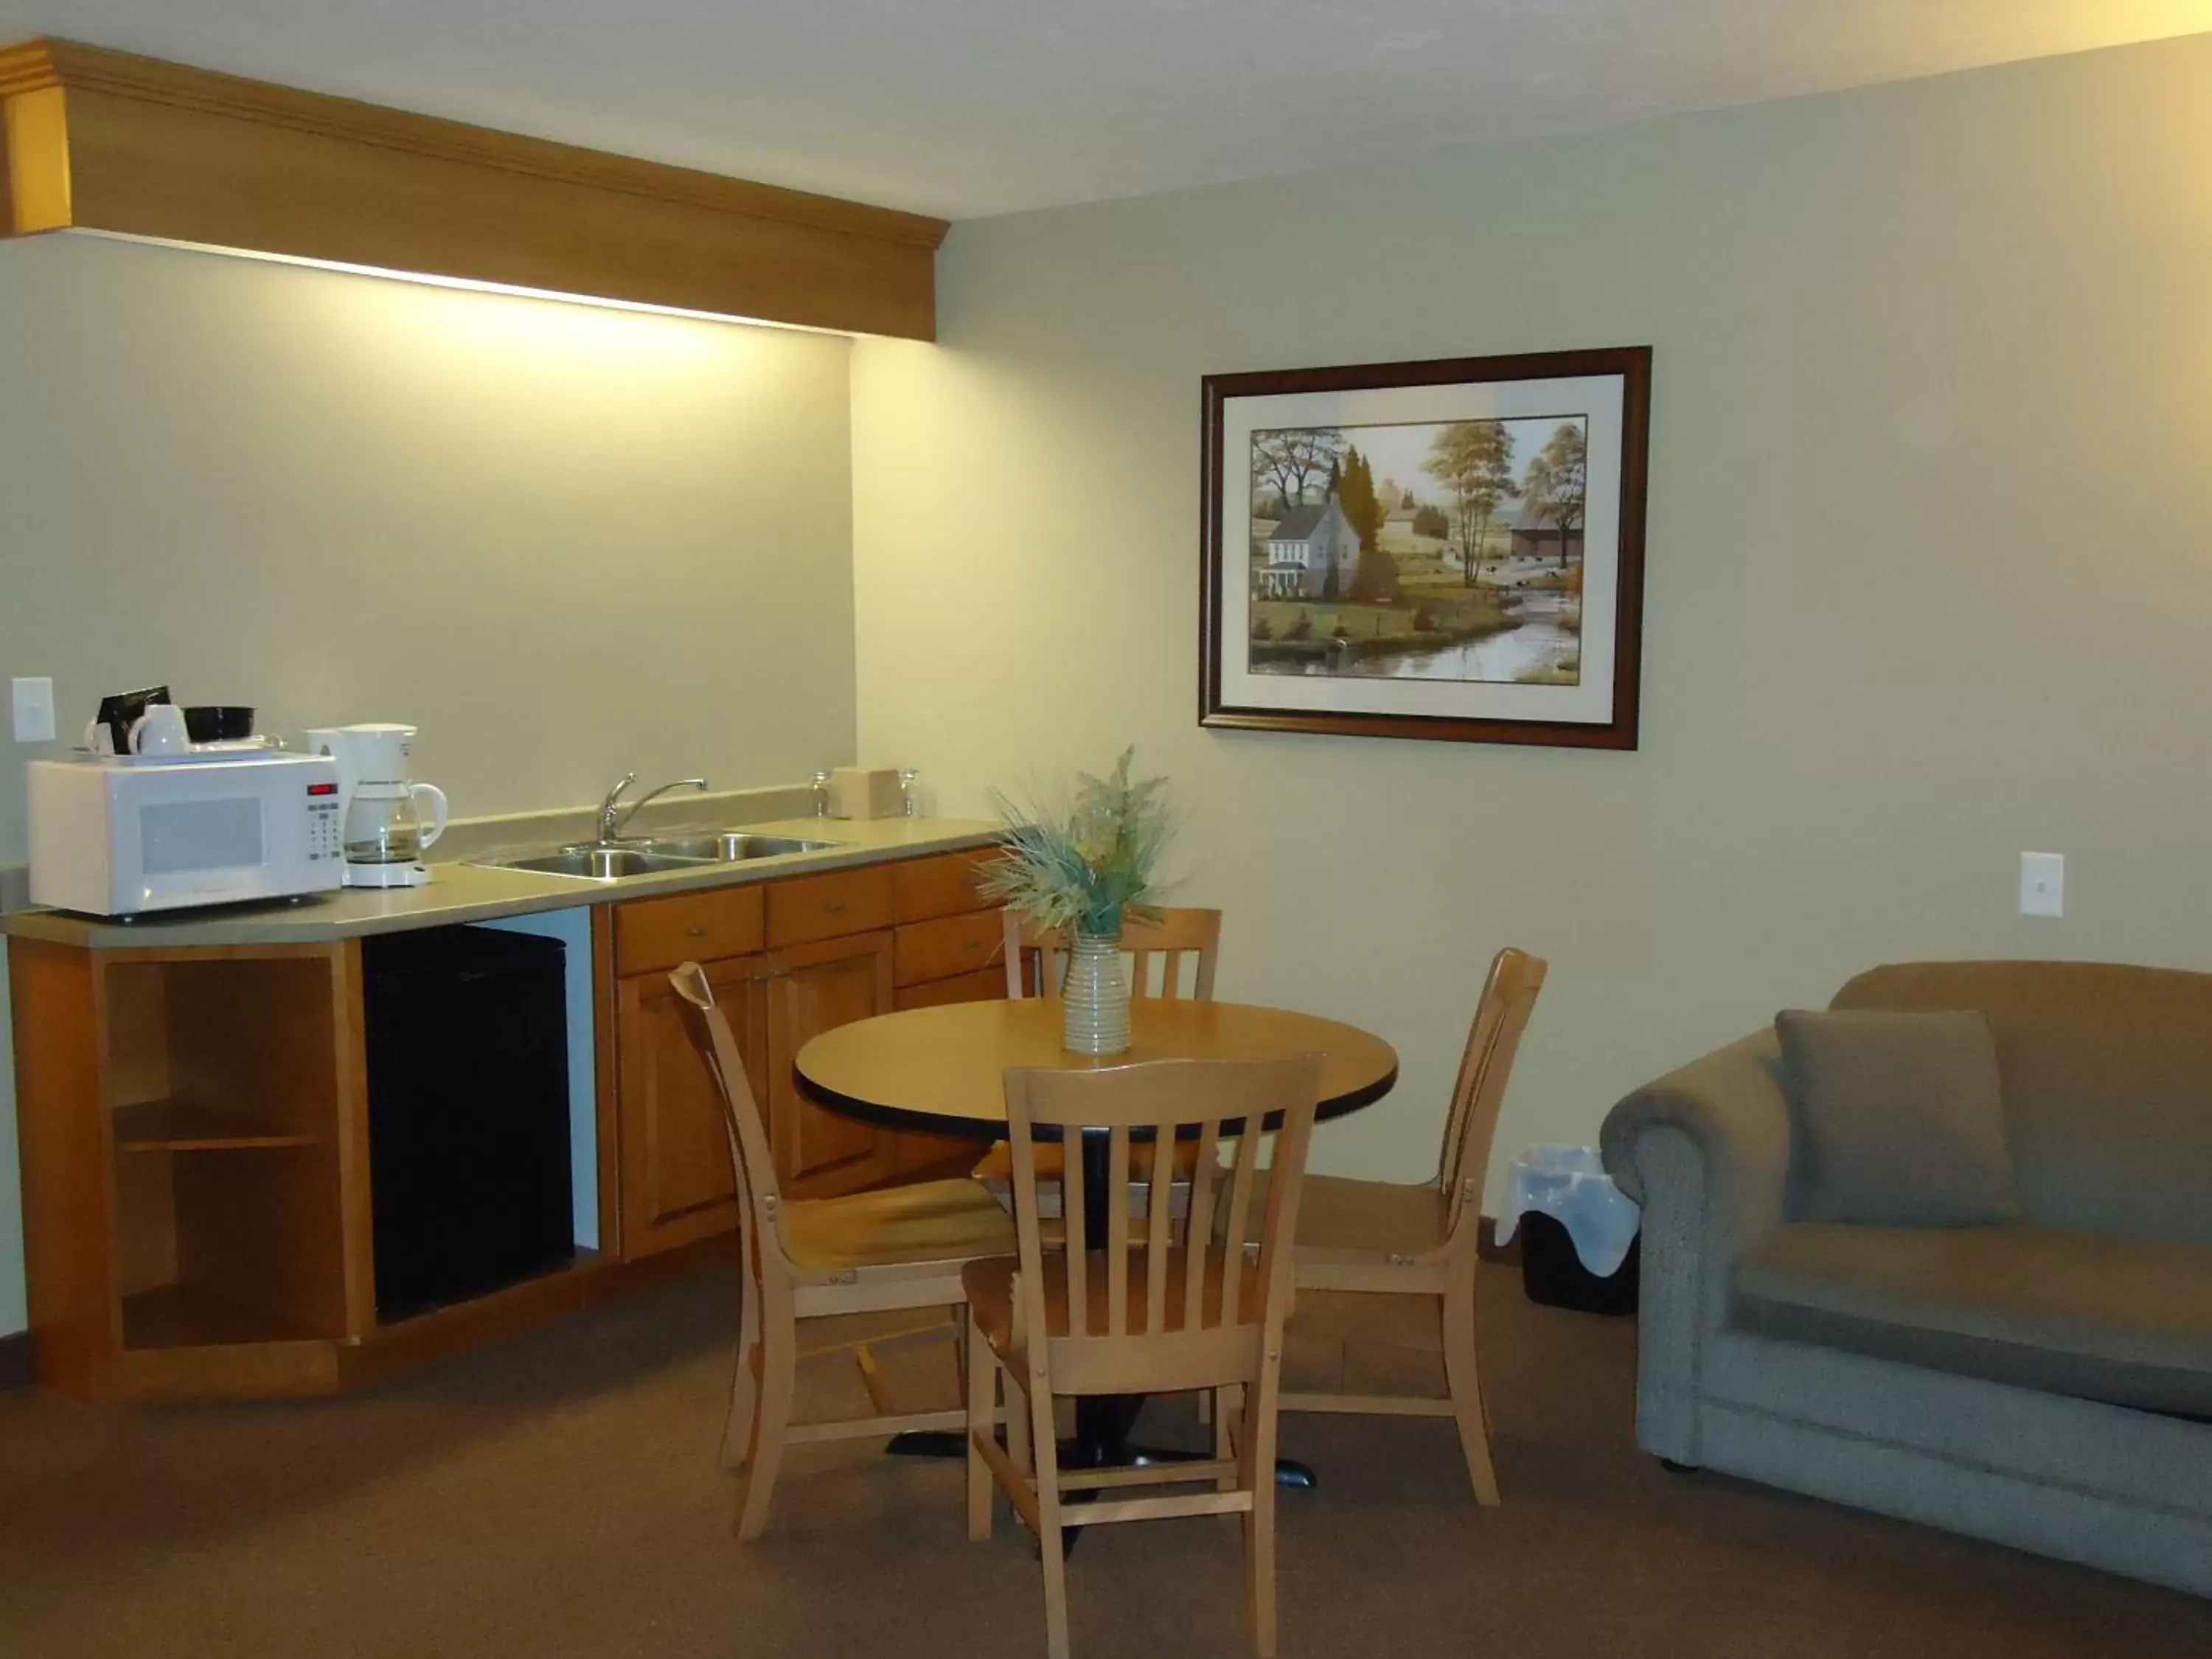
<point x="436" y="797"/>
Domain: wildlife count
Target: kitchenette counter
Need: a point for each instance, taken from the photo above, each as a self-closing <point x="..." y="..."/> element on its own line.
<point x="461" y="892"/>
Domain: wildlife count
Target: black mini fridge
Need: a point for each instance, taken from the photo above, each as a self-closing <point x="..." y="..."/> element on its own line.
<point x="467" y="1038"/>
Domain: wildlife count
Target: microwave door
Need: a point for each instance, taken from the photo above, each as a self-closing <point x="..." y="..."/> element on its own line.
<point x="197" y="846"/>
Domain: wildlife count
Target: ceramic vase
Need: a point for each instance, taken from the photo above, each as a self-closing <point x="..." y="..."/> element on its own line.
<point x="1094" y="999"/>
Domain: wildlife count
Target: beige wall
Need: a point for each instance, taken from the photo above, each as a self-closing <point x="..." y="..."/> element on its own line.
<point x="566" y="543"/>
<point x="1930" y="557"/>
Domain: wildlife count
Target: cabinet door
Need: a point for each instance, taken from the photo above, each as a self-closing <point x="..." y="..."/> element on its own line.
<point x="677" y="1184"/>
<point x="816" y="988"/>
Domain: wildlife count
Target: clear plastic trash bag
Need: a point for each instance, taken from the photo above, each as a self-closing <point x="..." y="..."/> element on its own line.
<point x="1570" y="1184"/>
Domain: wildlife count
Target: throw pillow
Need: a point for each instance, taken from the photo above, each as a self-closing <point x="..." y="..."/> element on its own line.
<point x="1899" y="1118"/>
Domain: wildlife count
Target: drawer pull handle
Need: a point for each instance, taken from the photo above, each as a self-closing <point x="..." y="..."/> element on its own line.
<point x="837" y="909"/>
<point x="697" y="932"/>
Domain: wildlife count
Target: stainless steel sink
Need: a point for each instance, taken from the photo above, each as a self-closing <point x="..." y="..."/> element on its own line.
<point x="600" y="863"/>
<point x="731" y="845"/>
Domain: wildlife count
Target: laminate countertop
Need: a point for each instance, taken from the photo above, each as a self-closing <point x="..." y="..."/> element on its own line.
<point x="458" y="892"/>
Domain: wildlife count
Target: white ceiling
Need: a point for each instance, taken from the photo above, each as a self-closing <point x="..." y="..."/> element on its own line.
<point x="965" y="107"/>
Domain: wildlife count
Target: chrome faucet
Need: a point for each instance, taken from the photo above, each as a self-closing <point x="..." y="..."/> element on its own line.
<point x="611" y="817"/>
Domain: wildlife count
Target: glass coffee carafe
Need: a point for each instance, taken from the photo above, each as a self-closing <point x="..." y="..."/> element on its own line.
<point x="384" y="822"/>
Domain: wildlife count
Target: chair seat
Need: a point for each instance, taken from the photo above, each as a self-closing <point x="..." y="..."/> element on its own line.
<point x="947" y="1221"/>
<point x="1337" y="1214"/>
<point x="990" y="1286"/>
<point x="998" y="1164"/>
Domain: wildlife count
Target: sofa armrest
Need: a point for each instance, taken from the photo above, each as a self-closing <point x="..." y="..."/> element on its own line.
<point x="1705" y="1150"/>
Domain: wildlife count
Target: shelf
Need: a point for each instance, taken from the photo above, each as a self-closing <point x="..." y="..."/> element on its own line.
<point x="179" y="1126"/>
<point x="184" y="1316"/>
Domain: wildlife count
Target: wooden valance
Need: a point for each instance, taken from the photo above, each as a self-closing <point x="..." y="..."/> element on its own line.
<point x="106" y="140"/>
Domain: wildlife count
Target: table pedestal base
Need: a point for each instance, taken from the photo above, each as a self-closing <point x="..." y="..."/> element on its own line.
<point x="1101" y="1453"/>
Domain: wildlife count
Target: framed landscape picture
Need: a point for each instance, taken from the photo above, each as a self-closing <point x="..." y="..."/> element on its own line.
<point x="1450" y="549"/>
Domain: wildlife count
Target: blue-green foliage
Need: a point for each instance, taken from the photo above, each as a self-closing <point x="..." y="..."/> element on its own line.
<point x="1088" y="867"/>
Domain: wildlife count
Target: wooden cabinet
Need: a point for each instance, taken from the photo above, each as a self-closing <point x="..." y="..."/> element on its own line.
<point x="676" y="1183"/>
<point x="787" y="959"/>
<point x="655" y="934"/>
<point x="195" y="1134"/>
<point x="818" y="987"/>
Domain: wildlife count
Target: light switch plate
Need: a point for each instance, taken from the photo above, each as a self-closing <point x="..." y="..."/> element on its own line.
<point x="2043" y="884"/>
<point x="33" y="703"/>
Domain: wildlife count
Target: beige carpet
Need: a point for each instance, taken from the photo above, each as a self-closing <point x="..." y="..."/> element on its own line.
<point x="558" y="1495"/>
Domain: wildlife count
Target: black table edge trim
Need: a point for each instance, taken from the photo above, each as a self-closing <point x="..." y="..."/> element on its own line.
<point x="981" y="1128"/>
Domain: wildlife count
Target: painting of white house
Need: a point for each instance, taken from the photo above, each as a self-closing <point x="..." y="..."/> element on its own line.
<point x="1447" y="550"/>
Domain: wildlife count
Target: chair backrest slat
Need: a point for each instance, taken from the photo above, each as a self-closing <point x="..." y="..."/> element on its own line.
<point x="1117" y="1232"/>
<point x="1159" y="1233"/>
<point x="760" y="1201"/>
<point x="1036" y="959"/>
<point x="1159" y="1101"/>
<point x="1509" y="997"/>
<point x="1074" y="1218"/>
<point x="1201" y="1203"/>
<point x="1242" y="1178"/>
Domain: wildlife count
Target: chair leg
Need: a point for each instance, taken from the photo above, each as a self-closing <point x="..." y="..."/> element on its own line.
<point x="1018" y="1423"/>
<point x="982" y="1396"/>
<point x="1051" y="1551"/>
<point x="1465" y="1380"/>
<point x="744" y="1389"/>
<point x="779" y="1367"/>
<point x="1228" y="1406"/>
<point x="1256" y="1469"/>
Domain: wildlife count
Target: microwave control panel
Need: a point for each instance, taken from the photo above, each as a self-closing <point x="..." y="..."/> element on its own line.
<point x="323" y="843"/>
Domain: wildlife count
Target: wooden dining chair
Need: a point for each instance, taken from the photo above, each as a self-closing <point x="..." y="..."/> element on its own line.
<point x="892" y="1248"/>
<point x="1165" y="1307"/>
<point x="1395" y="1265"/>
<point x="1036" y="963"/>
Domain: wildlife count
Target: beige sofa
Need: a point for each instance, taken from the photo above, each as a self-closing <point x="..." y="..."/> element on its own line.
<point x="2047" y="1383"/>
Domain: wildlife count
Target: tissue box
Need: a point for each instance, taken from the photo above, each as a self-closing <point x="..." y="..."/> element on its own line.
<point x="861" y="792"/>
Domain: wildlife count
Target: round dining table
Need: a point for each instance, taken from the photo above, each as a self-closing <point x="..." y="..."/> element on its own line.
<point x="942" y="1070"/>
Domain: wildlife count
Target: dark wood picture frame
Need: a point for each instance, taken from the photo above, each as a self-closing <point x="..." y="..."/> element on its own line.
<point x="1223" y="480"/>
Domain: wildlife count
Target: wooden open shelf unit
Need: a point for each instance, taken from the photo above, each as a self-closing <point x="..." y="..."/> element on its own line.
<point x="182" y="1126"/>
<point x="196" y="1161"/>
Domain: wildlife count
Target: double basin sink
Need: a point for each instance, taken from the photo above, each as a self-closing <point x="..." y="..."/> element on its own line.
<point x="612" y="860"/>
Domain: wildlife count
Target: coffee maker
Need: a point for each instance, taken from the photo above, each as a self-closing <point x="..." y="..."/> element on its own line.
<point x="381" y="815"/>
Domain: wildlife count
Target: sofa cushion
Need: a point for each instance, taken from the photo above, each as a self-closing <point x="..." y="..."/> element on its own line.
<point x="2072" y="1313"/>
<point x="1898" y="1117"/>
<point x="2107" y="1079"/>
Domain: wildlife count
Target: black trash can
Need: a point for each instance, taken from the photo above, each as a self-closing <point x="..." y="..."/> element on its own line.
<point x="1553" y="1274"/>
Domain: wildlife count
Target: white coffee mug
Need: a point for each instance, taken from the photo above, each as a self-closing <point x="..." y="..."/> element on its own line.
<point x="160" y="731"/>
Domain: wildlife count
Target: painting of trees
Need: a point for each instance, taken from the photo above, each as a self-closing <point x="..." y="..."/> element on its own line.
<point x="1473" y="460"/>
<point x="1363" y="508"/>
<point x="1556" y="483"/>
<point x="1289" y="458"/>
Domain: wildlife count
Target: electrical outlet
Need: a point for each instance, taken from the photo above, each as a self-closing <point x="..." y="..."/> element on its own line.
<point x="2043" y="884"/>
<point x="33" y="703"/>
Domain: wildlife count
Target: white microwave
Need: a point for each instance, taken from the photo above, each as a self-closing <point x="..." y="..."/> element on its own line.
<point x="120" y="837"/>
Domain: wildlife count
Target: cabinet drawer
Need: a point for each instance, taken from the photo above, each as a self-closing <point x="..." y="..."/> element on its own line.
<point x="652" y="933"/>
<point x="984" y="985"/>
<point x="823" y="907"/>
<point x="941" y="886"/>
<point x="949" y="945"/>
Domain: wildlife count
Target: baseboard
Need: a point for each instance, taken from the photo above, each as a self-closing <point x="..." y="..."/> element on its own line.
<point x="1487" y="1245"/>
<point x="16" y="1360"/>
